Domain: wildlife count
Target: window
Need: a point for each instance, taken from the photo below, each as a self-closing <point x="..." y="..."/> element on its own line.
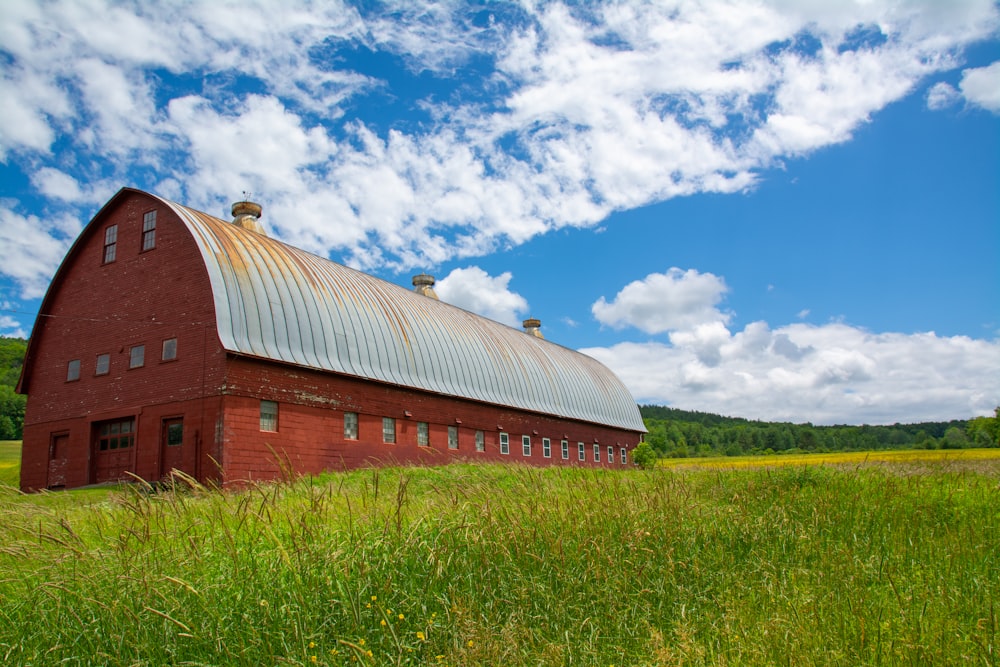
<point x="268" y="416"/>
<point x="480" y="441"/>
<point x="597" y="453"/>
<point x="565" y="450"/>
<point x="581" y="452"/>
<point x="73" y="370"/>
<point x="423" y="434"/>
<point x="149" y="230"/>
<point x="546" y="448"/>
<point x="452" y="437"/>
<point x="118" y="434"/>
<point x="175" y="432"/>
<point x="103" y="364"/>
<point x="526" y="445"/>
<point x="350" y="426"/>
<point x="137" y="356"/>
<point x="110" y="243"/>
<point x="611" y="454"/>
<point x="388" y="430"/>
<point x="624" y="456"/>
<point x="504" y="443"/>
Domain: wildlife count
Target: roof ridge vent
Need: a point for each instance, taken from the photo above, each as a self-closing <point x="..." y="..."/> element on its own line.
<point x="424" y="284"/>
<point x="246" y="214"/>
<point x="533" y="327"/>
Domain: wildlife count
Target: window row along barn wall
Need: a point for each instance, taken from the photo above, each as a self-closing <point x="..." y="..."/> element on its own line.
<point x="173" y="340"/>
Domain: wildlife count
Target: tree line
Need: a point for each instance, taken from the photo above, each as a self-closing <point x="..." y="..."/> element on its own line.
<point x="683" y="433"/>
<point x="11" y="403"/>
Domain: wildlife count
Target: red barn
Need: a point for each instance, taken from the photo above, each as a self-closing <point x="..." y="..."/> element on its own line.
<point x="171" y="339"/>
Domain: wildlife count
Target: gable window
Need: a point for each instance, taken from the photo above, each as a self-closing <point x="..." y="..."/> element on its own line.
<point x="526" y="445"/>
<point x="546" y="448"/>
<point x="452" y="437"/>
<point x="118" y="434"/>
<point x="149" y="230"/>
<point x="423" y="434"/>
<point x="103" y="364"/>
<point x="624" y="456"/>
<point x="169" y="349"/>
<point x="480" y="441"/>
<point x="597" y="453"/>
<point x="268" y="416"/>
<point x="110" y="243"/>
<point x="388" y="430"/>
<point x="137" y="356"/>
<point x="565" y="450"/>
<point x="581" y="452"/>
<point x="73" y="370"/>
<point x="504" y="443"/>
<point x="350" y="426"/>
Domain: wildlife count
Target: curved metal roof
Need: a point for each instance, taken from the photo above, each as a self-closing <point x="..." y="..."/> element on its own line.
<point x="277" y="302"/>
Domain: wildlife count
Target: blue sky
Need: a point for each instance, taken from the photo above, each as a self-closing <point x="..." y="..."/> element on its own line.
<point x="775" y="210"/>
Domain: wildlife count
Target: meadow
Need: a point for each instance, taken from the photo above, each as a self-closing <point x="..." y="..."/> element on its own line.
<point x="867" y="562"/>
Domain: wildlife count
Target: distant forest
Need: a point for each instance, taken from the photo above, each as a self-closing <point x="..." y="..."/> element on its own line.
<point x="672" y="432"/>
<point x="682" y="433"/>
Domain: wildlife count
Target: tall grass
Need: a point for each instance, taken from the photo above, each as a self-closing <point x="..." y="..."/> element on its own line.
<point x="490" y="565"/>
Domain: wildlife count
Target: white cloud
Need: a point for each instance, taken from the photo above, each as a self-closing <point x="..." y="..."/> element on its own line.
<point x="475" y="290"/>
<point x="981" y="86"/>
<point x="33" y="248"/>
<point x="941" y="95"/>
<point x="675" y="300"/>
<point x="823" y="374"/>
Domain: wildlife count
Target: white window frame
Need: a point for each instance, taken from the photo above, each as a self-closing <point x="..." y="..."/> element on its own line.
<point x="611" y="454"/>
<point x="525" y="445"/>
<point x="565" y="450"/>
<point x="452" y="437"/>
<point x="597" y="453"/>
<point x="546" y="448"/>
<point x="624" y="456"/>
<point x="504" y="443"/>
<point x="581" y="451"/>
<point x="423" y="434"/>
<point x="350" y="426"/>
<point x="389" y="430"/>
<point x="480" y="441"/>
<point x="269" y="416"/>
<point x="148" y="231"/>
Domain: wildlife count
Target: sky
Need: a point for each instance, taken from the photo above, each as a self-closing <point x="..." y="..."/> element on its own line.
<point x="783" y="210"/>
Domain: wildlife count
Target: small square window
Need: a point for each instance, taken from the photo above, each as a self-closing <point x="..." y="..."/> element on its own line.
<point x="388" y="430"/>
<point x="526" y="445"/>
<point x="149" y="230"/>
<point x="350" y="425"/>
<point x="423" y="434"/>
<point x="480" y="441"/>
<point x="110" y="243"/>
<point x="581" y="451"/>
<point x="597" y="453"/>
<point x="103" y="364"/>
<point x="137" y="356"/>
<point x="268" y="416"/>
<point x="546" y="448"/>
<point x="169" y="349"/>
<point x="73" y="370"/>
<point x="452" y="437"/>
<point x="504" y="443"/>
<point x="565" y="450"/>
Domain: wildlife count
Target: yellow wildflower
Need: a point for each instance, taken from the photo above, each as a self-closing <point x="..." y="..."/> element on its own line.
<point x="470" y="643"/>
<point x="382" y="622"/>
<point x="401" y="617"/>
<point x="312" y="658"/>
<point x="312" y="644"/>
<point x="420" y="636"/>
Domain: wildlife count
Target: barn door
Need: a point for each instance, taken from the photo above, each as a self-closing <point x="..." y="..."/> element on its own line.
<point x="114" y="447"/>
<point x="58" y="460"/>
<point x="171" y="446"/>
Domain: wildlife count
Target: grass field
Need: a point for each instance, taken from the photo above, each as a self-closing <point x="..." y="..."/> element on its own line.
<point x="842" y="563"/>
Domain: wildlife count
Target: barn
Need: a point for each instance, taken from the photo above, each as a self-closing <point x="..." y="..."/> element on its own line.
<point x="170" y="339"/>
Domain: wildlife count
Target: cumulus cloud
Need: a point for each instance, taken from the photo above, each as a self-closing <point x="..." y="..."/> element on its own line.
<point x="667" y="301"/>
<point x="981" y="86"/>
<point x="39" y="246"/>
<point x="941" y="96"/>
<point x="475" y="290"/>
<point x="579" y="111"/>
<point x="827" y="374"/>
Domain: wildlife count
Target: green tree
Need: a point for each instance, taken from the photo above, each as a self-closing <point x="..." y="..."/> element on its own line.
<point x="644" y="455"/>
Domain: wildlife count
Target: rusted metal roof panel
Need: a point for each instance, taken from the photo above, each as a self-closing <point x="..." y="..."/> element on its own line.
<point x="277" y="302"/>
